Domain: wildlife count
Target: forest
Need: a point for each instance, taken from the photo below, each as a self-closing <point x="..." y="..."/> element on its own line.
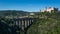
<point x="49" y="24"/>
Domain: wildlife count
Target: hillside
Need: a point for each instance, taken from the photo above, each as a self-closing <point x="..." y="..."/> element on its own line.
<point x="13" y="12"/>
<point x="51" y="25"/>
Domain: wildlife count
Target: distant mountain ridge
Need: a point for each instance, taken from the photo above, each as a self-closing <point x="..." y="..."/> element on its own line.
<point x="13" y="12"/>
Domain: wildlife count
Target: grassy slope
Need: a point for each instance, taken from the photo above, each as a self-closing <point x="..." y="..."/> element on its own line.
<point x="45" y="26"/>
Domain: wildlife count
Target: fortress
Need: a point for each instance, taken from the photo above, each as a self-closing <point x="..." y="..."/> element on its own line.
<point x="50" y="9"/>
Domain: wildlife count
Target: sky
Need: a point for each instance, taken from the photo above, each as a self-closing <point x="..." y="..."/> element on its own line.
<point x="28" y="5"/>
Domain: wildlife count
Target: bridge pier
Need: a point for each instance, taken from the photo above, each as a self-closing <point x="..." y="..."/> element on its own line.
<point x="20" y="23"/>
<point x="23" y="23"/>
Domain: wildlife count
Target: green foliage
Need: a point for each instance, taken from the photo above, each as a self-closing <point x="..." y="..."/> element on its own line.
<point x="51" y="25"/>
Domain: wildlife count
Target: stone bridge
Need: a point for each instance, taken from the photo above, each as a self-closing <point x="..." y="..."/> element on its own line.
<point x="22" y="23"/>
